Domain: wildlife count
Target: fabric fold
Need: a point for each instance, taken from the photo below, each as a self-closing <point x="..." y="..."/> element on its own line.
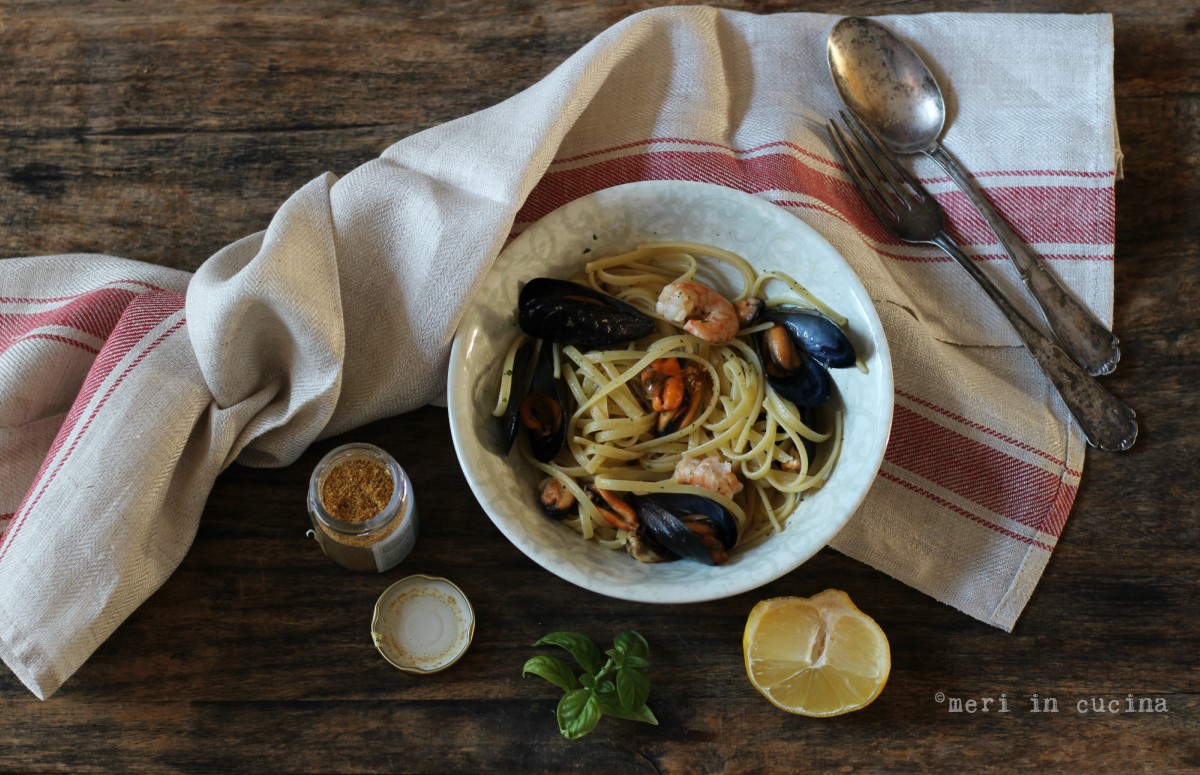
<point x="265" y="314"/>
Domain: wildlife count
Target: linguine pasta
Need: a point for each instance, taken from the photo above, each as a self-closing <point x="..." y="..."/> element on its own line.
<point x="611" y="438"/>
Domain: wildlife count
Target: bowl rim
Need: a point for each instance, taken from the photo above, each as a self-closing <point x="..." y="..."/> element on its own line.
<point x="613" y="197"/>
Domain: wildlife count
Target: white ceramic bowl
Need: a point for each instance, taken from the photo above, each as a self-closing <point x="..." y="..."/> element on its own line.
<point x="615" y="220"/>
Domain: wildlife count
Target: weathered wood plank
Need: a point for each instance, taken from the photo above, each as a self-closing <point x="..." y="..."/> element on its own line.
<point x="163" y="133"/>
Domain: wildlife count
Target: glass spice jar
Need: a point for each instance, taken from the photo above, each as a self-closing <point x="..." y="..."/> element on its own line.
<point x="362" y="509"/>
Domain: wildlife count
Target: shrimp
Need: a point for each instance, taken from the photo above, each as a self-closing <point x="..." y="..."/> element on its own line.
<point x="702" y="311"/>
<point x="711" y="473"/>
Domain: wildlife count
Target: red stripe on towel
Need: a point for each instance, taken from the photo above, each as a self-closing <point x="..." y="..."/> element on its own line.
<point x="977" y="472"/>
<point x="94" y="313"/>
<point x="1078" y="174"/>
<point x="140" y="318"/>
<point x="1061" y="214"/>
<point x="786" y="172"/>
<point x="978" y="426"/>
<point x="963" y="512"/>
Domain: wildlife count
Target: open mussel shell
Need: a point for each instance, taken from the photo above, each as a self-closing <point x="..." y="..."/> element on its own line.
<point x="804" y="382"/>
<point x="810" y="416"/>
<point x="663" y="522"/>
<point x="544" y="413"/>
<point x="818" y="336"/>
<point x="570" y="313"/>
<point x="518" y="387"/>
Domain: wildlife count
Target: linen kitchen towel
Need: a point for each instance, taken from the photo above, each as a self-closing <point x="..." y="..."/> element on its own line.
<point x="126" y="388"/>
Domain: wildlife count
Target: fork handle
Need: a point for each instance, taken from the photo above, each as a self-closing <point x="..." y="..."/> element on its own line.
<point x="1086" y="339"/>
<point x="1107" y="422"/>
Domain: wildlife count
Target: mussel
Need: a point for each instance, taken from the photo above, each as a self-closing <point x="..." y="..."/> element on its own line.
<point x="676" y="391"/>
<point x="570" y="313"/>
<point x="559" y="311"/>
<point x="517" y="388"/>
<point x="538" y="403"/>
<point x="612" y="507"/>
<point x="798" y="351"/>
<point x="686" y="526"/>
<point x="810" y="417"/>
<point x="815" y="334"/>
<point x="556" y="499"/>
<point x="793" y="374"/>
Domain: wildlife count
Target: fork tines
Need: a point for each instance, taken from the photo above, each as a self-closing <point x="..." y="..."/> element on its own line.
<point x="883" y="181"/>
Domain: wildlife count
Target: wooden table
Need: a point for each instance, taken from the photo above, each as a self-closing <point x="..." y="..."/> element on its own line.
<point x="163" y="133"/>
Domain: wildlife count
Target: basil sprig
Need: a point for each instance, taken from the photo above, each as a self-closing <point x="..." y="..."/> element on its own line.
<point x="618" y="687"/>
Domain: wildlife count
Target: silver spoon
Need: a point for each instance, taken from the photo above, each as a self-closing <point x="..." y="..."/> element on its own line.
<point x="887" y="86"/>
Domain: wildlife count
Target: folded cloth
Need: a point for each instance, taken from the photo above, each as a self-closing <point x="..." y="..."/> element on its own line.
<point x="126" y="388"/>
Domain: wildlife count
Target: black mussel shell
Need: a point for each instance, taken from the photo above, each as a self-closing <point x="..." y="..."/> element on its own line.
<point x="723" y="524"/>
<point x="810" y="417"/>
<point x="519" y="386"/>
<point x="661" y="528"/>
<point x="570" y="313"/>
<point x="807" y="384"/>
<point x="662" y="522"/>
<point x="816" y="335"/>
<point x="548" y="438"/>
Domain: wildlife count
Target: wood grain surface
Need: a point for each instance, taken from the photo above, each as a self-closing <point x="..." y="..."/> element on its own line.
<point x="163" y="131"/>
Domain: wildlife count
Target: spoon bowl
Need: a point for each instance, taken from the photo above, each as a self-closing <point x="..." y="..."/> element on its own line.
<point x="886" y="84"/>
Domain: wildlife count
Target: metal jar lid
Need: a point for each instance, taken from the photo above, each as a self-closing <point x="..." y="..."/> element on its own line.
<point x="422" y="624"/>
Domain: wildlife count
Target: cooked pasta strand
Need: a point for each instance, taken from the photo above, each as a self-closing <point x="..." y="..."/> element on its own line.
<point x="614" y="439"/>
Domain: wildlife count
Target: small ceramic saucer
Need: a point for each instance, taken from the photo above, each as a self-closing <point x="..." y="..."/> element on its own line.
<point x="422" y="624"/>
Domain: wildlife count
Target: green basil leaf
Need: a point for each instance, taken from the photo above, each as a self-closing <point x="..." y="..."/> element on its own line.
<point x="578" y="713"/>
<point x="632" y="644"/>
<point x="552" y="669"/>
<point x="605" y="686"/>
<point x="611" y="705"/>
<point x="627" y="660"/>
<point x="588" y="680"/>
<point x="633" y="687"/>
<point x="586" y="653"/>
<point x="644" y="715"/>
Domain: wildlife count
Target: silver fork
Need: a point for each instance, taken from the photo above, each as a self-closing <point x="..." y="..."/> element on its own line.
<point x="908" y="210"/>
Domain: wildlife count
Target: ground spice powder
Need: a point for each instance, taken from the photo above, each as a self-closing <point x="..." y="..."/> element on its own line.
<point x="357" y="490"/>
<point x="361" y="508"/>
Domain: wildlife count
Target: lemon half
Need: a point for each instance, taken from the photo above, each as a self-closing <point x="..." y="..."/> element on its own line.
<point x="816" y="656"/>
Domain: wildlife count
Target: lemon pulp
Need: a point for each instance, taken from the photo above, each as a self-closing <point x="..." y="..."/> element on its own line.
<point x="817" y="656"/>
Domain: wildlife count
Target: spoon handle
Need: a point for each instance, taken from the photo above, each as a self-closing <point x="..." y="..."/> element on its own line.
<point x="1107" y="422"/>
<point x="1092" y="345"/>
